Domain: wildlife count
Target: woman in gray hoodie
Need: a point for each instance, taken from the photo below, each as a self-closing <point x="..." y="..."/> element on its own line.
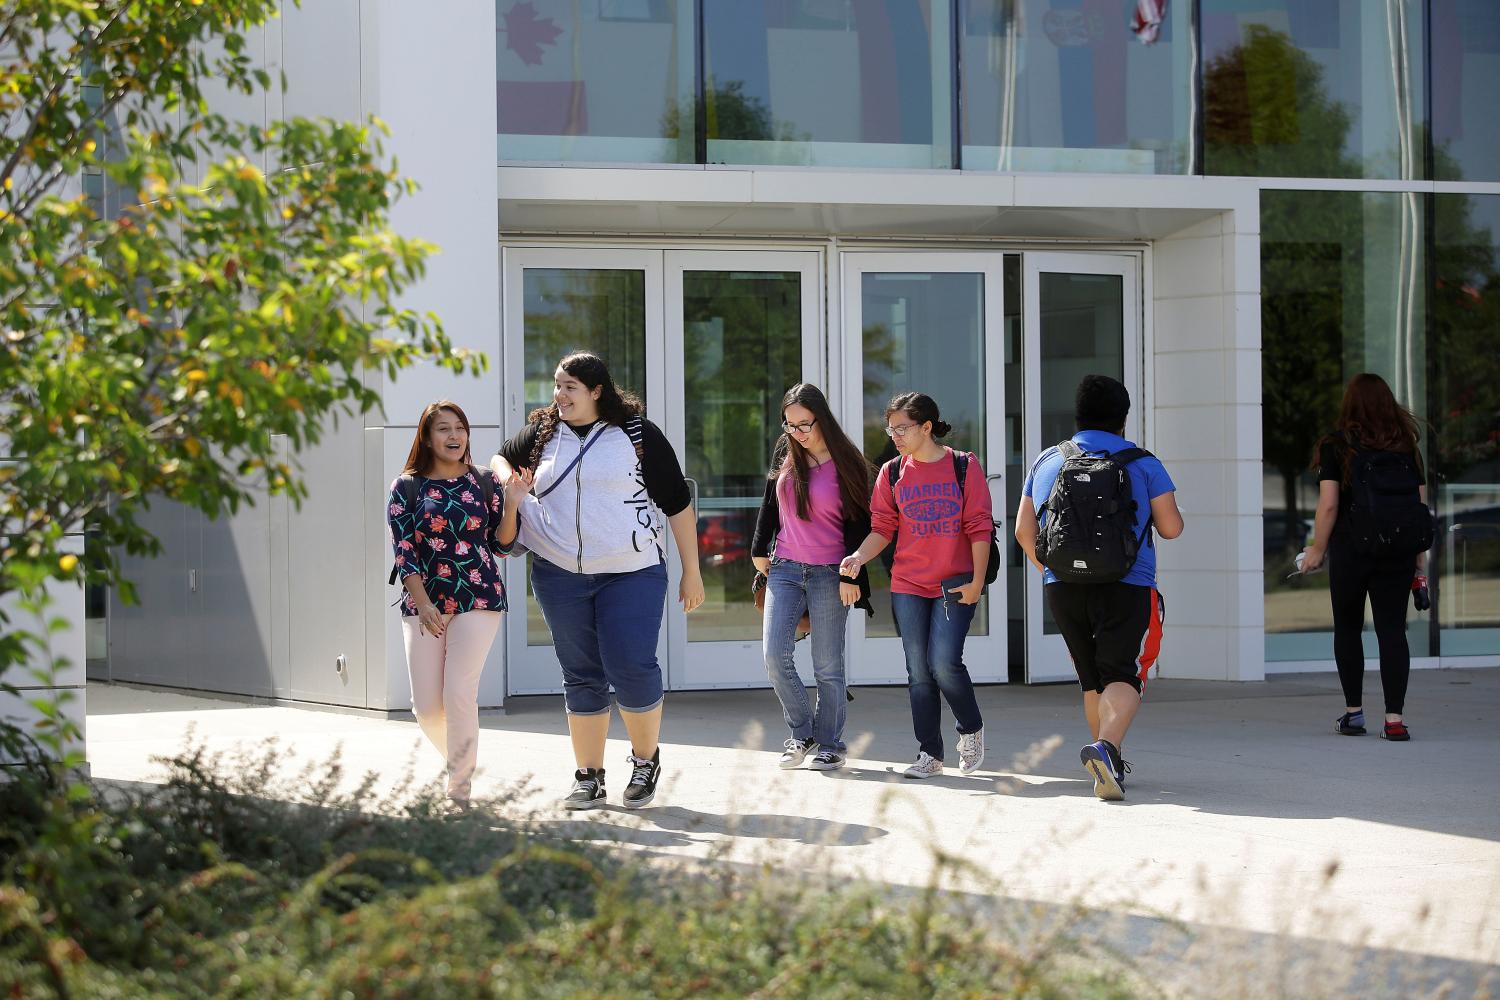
<point x="602" y="479"/>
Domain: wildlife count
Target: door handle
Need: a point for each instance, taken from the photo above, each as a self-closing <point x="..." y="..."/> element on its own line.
<point x="692" y="492"/>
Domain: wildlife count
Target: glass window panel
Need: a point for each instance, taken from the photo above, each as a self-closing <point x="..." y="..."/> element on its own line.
<point x="829" y="82"/>
<point x="923" y="332"/>
<point x="1293" y="88"/>
<point x="572" y="309"/>
<point x="1342" y="292"/>
<point x="609" y="80"/>
<point x="1465" y="316"/>
<point x="1080" y="86"/>
<point x="1465" y="80"/>
<point x="742" y="350"/>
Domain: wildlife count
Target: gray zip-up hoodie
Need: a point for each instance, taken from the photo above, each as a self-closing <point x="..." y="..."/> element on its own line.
<point x="599" y="518"/>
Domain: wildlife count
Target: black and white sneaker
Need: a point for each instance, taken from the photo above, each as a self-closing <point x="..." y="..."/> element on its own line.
<point x="588" y="790"/>
<point x="643" y="776"/>
<point x="794" y="752"/>
<point x="827" y="759"/>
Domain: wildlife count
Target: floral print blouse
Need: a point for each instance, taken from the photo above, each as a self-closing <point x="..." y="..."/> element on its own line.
<point x="449" y="539"/>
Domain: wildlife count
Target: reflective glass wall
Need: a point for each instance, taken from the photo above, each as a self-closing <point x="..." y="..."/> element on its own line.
<point x="1081" y="86"/>
<point x="1285" y="88"/>
<point x="1313" y="88"/>
<point x="1465" y="344"/>
<point x="1343" y="291"/>
<point x="1465" y="80"/>
<point x="595" y="81"/>
<point x="860" y="83"/>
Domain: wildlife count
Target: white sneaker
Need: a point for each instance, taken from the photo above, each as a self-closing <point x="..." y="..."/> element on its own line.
<point x="795" y="752"/>
<point x="925" y="767"/>
<point x="970" y="751"/>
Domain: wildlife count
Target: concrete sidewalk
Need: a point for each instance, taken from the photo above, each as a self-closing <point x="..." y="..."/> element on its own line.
<point x="1245" y="811"/>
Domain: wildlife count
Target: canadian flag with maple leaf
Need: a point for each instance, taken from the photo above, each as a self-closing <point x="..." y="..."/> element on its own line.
<point x="526" y="32"/>
<point x="539" y="89"/>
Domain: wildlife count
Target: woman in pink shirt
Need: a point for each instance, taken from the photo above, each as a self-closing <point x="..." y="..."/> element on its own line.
<point x="815" y="507"/>
<point x="942" y="529"/>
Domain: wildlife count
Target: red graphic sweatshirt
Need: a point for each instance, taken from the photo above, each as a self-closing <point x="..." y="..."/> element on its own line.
<point x="938" y="524"/>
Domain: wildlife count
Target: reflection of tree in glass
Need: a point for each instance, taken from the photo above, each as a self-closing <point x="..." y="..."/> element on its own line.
<point x="570" y="310"/>
<point x="742" y="350"/>
<point x="879" y="386"/>
<point x="1266" y="111"/>
<point x="1463" y="340"/>
<point x="733" y="114"/>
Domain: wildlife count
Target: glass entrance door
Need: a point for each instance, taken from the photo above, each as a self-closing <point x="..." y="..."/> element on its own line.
<point x="742" y="327"/>
<point x="1080" y="316"/>
<point x="930" y="323"/>
<point x="556" y="301"/>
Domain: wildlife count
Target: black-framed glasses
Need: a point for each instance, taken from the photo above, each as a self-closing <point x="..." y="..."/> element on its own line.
<point x="801" y="428"/>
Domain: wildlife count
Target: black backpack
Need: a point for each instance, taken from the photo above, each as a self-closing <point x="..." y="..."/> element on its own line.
<point x="961" y="470"/>
<point x="406" y="486"/>
<point x="1386" y="514"/>
<point x="1089" y="534"/>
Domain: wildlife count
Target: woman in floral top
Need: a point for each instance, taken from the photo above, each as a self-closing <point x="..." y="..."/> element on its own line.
<point x="450" y="523"/>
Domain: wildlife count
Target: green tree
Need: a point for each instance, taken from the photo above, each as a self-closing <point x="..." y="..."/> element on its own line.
<point x="160" y="349"/>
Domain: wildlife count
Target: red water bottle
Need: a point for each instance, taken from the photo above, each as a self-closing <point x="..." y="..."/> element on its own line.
<point x="1420" y="598"/>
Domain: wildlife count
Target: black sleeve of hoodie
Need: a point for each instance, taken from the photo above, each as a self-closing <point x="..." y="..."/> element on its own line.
<point x="665" y="484"/>
<point x="517" y="451"/>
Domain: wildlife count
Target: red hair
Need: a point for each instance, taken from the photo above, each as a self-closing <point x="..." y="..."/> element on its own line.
<point x="1372" y="420"/>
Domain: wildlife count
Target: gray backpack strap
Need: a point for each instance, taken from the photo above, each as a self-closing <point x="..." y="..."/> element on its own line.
<point x="406" y="485"/>
<point x="595" y="436"/>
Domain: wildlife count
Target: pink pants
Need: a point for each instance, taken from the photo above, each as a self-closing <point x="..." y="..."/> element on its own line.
<point x="445" y="688"/>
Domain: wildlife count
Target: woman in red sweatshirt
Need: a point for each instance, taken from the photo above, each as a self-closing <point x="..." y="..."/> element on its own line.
<point x="942" y="529"/>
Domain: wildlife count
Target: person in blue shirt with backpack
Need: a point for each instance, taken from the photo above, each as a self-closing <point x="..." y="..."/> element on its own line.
<point x="1373" y="528"/>
<point x="1091" y="535"/>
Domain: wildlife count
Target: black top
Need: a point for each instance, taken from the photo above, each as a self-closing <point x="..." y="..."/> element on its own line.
<point x="768" y="529"/>
<point x="665" y="484"/>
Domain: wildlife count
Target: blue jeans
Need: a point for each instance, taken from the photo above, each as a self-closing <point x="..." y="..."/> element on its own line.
<point x="791" y="589"/>
<point x="933" y="639"/>
<point x="604" y="627"/>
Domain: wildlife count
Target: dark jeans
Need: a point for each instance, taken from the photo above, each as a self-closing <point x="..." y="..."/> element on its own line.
<point x="1387" y="583"/>
<point x="932" y="634"/>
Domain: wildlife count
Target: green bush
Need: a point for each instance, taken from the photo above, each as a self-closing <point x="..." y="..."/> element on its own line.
<point x="234" y="880"/>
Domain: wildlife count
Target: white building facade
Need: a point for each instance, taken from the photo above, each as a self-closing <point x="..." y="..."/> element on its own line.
<point x="983" y="201"/>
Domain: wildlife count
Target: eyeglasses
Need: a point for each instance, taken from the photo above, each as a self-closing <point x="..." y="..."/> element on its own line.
<point x="801" y="428"/>
<point x="900" y="430"/>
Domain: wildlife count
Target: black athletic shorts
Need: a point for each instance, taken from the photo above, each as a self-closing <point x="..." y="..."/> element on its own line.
<point x="1113" y="630"/>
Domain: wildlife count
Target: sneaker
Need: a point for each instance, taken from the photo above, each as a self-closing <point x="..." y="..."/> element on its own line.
<point x="1350" y="724"/>
<point x="588" y="790"/>
<point x="970" y="751"/>
<point x="1102" y="761"/>
<point x="827" y="760"/>
<point x="643" y="775"/>
<point x="795" y="752"/>
<point x="1395" y="732"/>
<point x="926" y="766"/>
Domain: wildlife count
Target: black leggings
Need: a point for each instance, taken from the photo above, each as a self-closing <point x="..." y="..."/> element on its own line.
<point x="1387" y="582"/>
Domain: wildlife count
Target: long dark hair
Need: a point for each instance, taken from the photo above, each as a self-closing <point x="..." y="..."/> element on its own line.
<point x="791" y="458"/>
<point x="421" y="456"/>
<point x="615" y="406"/>
<point x="922" y="408"/>
<point x="1370" y="419"/>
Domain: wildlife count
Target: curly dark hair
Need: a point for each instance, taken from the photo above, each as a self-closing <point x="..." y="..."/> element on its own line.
<point x="615" y="406"/>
